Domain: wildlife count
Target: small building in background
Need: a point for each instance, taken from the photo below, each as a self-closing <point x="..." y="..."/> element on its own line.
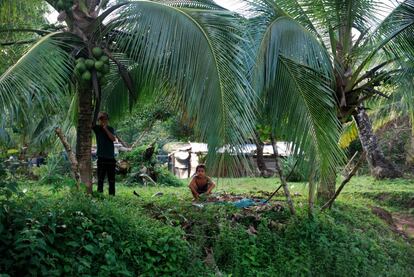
<point x="183" y="158"/>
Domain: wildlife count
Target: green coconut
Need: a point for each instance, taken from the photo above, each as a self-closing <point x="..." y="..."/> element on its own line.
<point x="89" y="63"/>
<point x="97" y="52"/>
<point x="80" y="67"/>
<point x="80" y="60"/>
<point x="86" y="76"/>
<point x="106" y="69"/>
<point x="60" y="5"/>
<point x="99" y="66"/>
<point x="104" y="59"/>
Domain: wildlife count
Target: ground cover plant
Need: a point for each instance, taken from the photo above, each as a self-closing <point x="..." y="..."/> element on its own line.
<point x="160" y="232"/>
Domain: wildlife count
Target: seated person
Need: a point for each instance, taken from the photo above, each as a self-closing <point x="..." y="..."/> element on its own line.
<point x="201" y="183"/>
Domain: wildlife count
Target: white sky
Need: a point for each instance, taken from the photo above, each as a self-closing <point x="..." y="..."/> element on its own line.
<point x="236" y="5"/>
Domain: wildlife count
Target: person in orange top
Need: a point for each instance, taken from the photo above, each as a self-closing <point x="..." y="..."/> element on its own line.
<point x="201" y="183"/>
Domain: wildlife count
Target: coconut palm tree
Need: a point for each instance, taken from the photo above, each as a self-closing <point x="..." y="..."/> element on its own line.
<point x="364" y="51"/>
<point x="292" y="73"/>
<point x="188" y="49"/>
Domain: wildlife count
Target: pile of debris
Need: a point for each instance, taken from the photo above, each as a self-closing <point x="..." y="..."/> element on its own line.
<point x="251" y="202"/>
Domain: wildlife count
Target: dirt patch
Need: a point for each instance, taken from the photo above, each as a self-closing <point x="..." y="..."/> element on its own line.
<point x="384" y="215"/>
<point x="404" y="223"/>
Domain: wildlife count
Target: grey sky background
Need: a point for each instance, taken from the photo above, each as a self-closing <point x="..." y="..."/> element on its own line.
<point x="236" y="5"/>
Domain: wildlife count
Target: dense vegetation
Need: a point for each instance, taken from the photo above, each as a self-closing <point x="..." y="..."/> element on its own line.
<point x="67" y="232"/>
<point x="291" y="71"/>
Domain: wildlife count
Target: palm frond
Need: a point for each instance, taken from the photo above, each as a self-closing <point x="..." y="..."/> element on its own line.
<point x="284" y="36"/>
<point x="293" y="74"/>
<point x="393" y="36"/>
<point x="349" y="134"/>
<point x="292" y="8"/>
<point x="4" y="137"/>
<point x="336" y="19"/>
<point x="401" y="101"/>
<point x="196" y="53"/>
<point x="301" y="108"/>
<point x="40" y="75"/>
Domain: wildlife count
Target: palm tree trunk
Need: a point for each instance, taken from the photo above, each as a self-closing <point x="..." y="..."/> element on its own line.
<point x="84" y="137"/>
<point x="261" y="165"/>
<point x="326" y="189"/>
<point x="380" y="167"/>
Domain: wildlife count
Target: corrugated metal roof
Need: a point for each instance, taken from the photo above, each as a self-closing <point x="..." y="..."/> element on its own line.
<point x="283" y="148"/>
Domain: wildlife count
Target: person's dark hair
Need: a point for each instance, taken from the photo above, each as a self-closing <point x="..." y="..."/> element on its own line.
<point x="200" y="166"/>
<point x="103" y="114"/>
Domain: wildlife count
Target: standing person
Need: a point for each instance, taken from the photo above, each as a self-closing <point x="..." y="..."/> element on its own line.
<point x="105" y="137"/>
<point x="201" y="183"/>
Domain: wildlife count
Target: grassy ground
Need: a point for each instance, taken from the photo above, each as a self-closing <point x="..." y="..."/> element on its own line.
<point x="166" y="235"/>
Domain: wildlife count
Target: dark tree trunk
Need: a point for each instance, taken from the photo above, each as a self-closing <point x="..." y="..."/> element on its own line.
<point x="380" y="167"/>
<point x="261" y="165"/>
<point x="84" y="138"/>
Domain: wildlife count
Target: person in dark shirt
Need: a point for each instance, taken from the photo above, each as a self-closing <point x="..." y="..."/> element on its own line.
<point x="105" y="137"/>
<point x="201" y="183"/>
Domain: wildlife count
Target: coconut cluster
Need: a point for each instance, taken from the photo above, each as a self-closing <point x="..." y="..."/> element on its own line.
<point x="85" y="66"/>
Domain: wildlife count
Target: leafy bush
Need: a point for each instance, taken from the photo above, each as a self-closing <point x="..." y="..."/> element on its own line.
<point x="310" y="247"/>
<point x="80" y="236"/>
<point x="347" y="241"/>
<point x="54" y="170"/>
<point x="74" y="234"/>
<point x="399" y="199"/>
<point x="165" y="177"/>
<point x="3" y="172"/>
<point x="143" y="160"/>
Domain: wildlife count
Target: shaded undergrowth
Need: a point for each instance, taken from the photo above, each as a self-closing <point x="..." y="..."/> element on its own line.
<point x="70" y="234"/>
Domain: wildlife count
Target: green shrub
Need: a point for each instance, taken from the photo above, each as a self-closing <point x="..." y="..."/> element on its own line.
<point x="399" y="199"/>
<point x="139" y="160"/>
<point x="165" y="177"/>
<point x="74" y="234"/>
<point x="81" y="236"/>
<point x="310" y="247"/>
<point x="54" y="170"/>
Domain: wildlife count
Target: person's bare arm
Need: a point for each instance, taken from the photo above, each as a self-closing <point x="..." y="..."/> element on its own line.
<point x="108" y="133"/>
<point x="193" y="189"/>
<point x="211" y="186"/>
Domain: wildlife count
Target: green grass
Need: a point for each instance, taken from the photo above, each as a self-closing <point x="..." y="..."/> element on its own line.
<point x="166" y="235"/>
